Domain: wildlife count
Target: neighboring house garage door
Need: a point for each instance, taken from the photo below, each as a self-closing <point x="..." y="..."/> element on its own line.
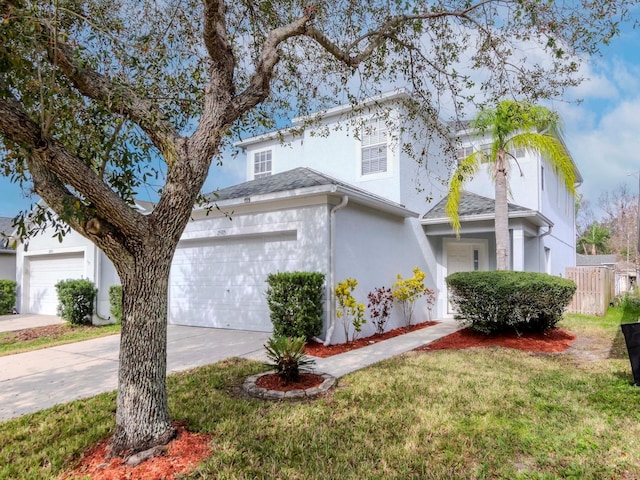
<point x="221" y="283"/>
<point x="42" y="275"/>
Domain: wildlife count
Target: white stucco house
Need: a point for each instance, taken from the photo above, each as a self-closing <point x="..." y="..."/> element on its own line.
<point x="7" y="254"/>
<point x="349" y="204"/>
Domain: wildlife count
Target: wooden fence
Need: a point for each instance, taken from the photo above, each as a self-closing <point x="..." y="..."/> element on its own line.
<point x="596" y="289"/>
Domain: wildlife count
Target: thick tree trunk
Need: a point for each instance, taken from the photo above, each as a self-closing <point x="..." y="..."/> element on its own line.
<point x="501" y="214"/>
<point x="142" y="416"/>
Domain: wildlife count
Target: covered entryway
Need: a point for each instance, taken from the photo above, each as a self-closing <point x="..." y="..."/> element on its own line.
<point x="221" y="282"/>
<point x="464" y="256"/>
<point x="41" y="275"/>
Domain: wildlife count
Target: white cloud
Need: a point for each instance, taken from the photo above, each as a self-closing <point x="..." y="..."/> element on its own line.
<point x="607" y="151"/>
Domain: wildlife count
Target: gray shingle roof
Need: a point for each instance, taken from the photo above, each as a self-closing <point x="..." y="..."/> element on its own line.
<point x="5" y="225"/>
<point x="595" y="260"/>
<point x="471" y="204"/>
<point x="297" y="178"/>
<point x="6" y="229"/>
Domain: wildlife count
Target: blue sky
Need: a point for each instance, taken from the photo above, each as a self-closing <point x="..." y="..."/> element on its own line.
<point x="602" y="132"/>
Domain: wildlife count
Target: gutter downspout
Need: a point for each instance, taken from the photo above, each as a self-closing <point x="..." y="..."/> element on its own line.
<point x="332" y="267"/>
<point x="548" y="232"/>
<point x="97" y="282"/>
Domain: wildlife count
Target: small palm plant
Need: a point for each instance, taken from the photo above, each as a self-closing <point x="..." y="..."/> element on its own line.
<point x="287" y="357"/>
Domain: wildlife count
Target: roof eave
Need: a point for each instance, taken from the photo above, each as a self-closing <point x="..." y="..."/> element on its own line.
<point x="359" y="197"/>
<point x="539" y="218"/>
<point x="331" y="112"/>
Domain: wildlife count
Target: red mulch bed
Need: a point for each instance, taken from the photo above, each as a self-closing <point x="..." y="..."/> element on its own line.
<point x="189" y="449"/>
<point x="555" y="340"/>
<point x="316" y="349"/>
<point x="184" y="454"/>
<point x="272" y="381"/>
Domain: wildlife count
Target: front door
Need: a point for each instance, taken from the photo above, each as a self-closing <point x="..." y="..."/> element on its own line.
<point x="461" y="257"/>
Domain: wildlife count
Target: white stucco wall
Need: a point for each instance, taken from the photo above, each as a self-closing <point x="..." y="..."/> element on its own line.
<point x="374" y="249"/>
<point x="336" y="155"/>
<point x="309" y="221"/>
<point x="237" y="284"/>
<point x="424" y="175"/>
<point x="97" y="267"/>
<point x="7" y="265"/>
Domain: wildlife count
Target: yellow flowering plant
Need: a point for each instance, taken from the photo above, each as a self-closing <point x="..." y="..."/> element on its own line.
<point x="407" y="290"/>
<point x="349" y="311"/>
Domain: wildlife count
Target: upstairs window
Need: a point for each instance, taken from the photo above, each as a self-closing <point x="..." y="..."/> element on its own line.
<point x="463" y="153"/>
<point x="374" y="147"/>
<point x="519" y="152"/>
<point x="262" y="164"/>
<point x="485" y="148"/>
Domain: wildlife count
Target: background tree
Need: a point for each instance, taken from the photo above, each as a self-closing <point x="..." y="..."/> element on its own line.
<point x="595" y="240"/>
<point x="101" y="100"/>
<point x="584" y="216"/>
<point x="621" y="219"/>
<point x="512" y="125"/>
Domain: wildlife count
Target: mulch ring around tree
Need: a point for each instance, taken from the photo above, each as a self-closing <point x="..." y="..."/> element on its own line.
<point x="316" y="349"/>
<point x="554" y="340"/>
<point x="182" y="455"/>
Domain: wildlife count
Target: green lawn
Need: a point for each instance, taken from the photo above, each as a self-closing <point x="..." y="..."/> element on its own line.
<point x="486" y="413"/>
<point x="9" y="344"/>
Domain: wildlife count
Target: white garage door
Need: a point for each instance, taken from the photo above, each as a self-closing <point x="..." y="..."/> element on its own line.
<point x="221" y="283"/>
<point x="43" y="272"/>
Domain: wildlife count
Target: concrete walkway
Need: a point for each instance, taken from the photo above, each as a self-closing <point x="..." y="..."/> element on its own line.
<point x="43" y="378"/>
<point x="339" y="365"/>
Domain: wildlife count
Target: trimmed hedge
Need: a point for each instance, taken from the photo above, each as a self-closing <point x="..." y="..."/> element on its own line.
<point x="498" y="301"/>
<point x="295" y="303"/>
<point x="115" y="302"/>
<point x="75" y="301"/>
<point x="7" y="296"/>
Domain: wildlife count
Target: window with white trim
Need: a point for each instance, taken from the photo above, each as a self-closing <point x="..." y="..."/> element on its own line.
<point x="485" y="148"/>
<point x="463" y="152"/>
<point x="374" y="147"/>
<point x="519" y="152"/>
<point x="262" y="164"/>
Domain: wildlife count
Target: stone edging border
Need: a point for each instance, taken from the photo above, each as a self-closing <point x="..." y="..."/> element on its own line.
<point x="250" y="387"/>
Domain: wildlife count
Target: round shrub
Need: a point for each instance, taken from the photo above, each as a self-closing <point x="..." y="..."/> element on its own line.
<point x="295" y="303"/>
<point x="75" y="301"/>
<point x="498" y="301"/>
<point x="7" y="296"/>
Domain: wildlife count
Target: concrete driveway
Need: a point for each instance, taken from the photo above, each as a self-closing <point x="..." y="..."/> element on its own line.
<point x="11" y="323"/>
<point x="43" y="378"/>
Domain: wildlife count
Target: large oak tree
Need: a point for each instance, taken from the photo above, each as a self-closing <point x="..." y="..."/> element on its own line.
<point x="100" y="100"/>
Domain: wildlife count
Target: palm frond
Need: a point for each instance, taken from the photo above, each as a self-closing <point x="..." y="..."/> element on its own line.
<point x="468" y="168"/>
<point x="553" y="151"/>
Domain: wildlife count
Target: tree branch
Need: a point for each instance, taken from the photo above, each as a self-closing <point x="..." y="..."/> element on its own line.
<point x="377" y="36"/>
<point x="118" y="99"/>
<point x="215" y="39"/>
<point x="65" y="168"/>
<point x="259" y="84"/>
<point x="84" y="220"/>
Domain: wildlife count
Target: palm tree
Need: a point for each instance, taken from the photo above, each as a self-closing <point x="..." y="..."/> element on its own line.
<point x="596" y="237"/>
<point x="512" y="125"/>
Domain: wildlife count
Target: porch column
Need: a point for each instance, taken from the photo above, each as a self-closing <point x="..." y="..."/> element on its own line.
<point x="517" y="249"/>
